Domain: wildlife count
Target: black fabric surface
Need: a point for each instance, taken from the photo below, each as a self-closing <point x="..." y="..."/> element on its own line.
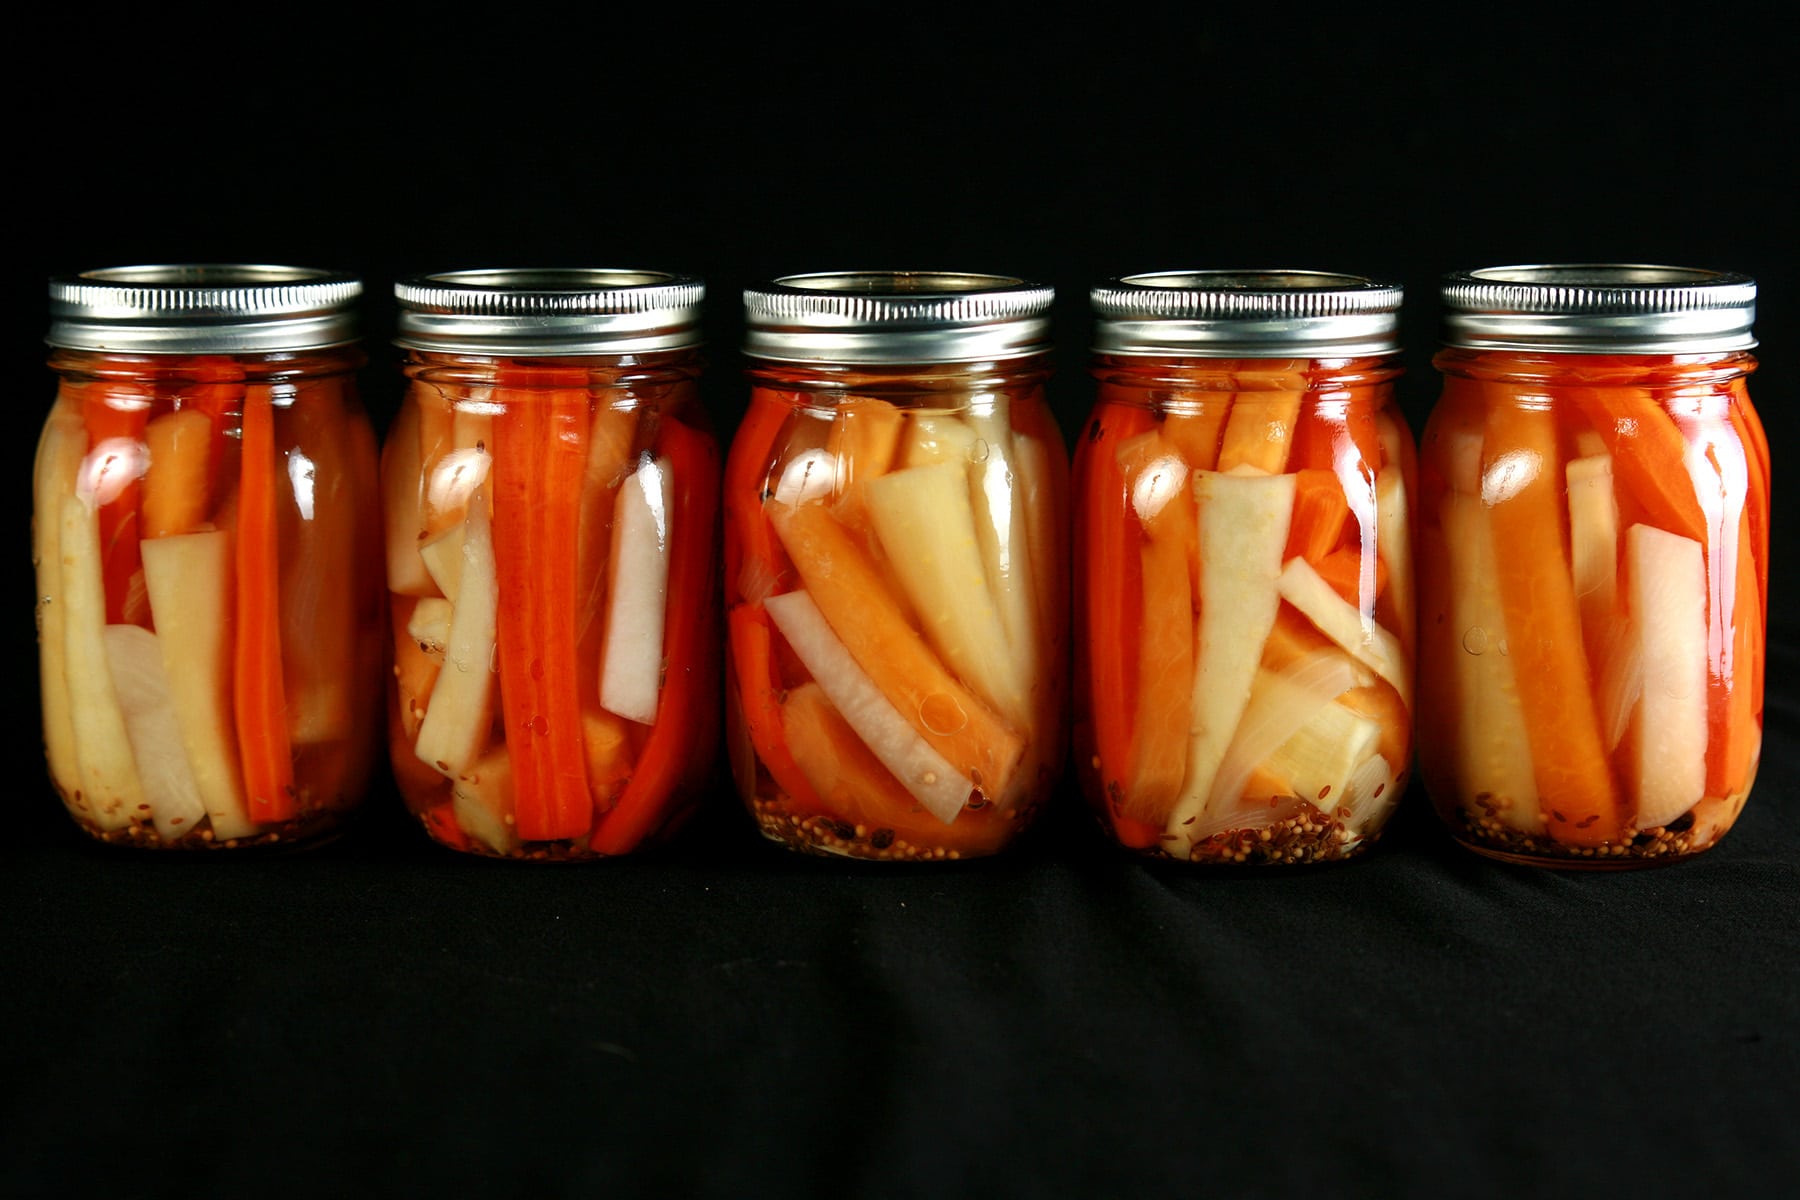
<point x="726" y="1018"/>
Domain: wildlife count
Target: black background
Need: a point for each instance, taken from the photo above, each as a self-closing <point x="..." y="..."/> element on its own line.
<point x="724" y="1018"/>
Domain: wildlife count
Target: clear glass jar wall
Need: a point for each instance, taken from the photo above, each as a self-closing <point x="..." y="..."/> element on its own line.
<point x="1243" y="578"/>
<point x="1594" y="564"/>
<point x="208" y="581"/>
<point x="551" y="499"/>
<point x="895" y="566"/>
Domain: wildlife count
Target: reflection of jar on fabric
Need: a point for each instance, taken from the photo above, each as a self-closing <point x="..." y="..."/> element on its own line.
<point x="1243" y="581"/>
<point x="1594" y="563"/>
<point x="208" y="580"/>
<point x="551" y="498"/>
<point x="895" y="566"/>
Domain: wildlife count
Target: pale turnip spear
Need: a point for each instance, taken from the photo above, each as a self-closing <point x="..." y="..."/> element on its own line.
<point x="927" y="529"/>
<point x="135" y="663"/>
<point x="481" y="798"/>
<point x="1000" y="523"/>
<point x="1303" y="587"/>
<point x="637" y="594"/>
<point x="1243" y="528"/>
<point x="1493" y="751"/>
<point x="60" y="449"/>
<point x="1281" y="707"/>
<point x="190" y="579"/>
<point x="1666" y="579"/>
<point x="455" y="727"/>
<point x="110" y="788"/>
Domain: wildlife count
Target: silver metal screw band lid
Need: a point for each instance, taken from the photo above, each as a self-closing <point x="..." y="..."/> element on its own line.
<point x="896" y="317"/>
<point x="552" y="310"/>
<point x="1246" y="314"/>
<point x="1598" y="308"/>
<point x="203" y="308"/>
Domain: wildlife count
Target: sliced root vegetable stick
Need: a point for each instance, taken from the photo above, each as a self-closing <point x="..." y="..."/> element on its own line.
<point x="190" y="579"/>
<point x="1041" y="464"/>
<point x="1493" y="751"/>
<point x="1372" y="791"/>
<point x="178" y="480"/>
<point x="755" y="566"/>
<point x="482" y="800"/>
<point x="637" y="592"/>
<point x="675" y="753"/>
<point x="925" y="774"/>
<point x="1320" y="514"/>
<point x="59" y="453"/>
<point x="110" y="794"/>
<point x="1304" y="588"/>
<point x="606" y="739"/>
<point x="926" y="527"/>
<point x="848" y="589"/>
<point x="1594" y="551"/>
<point x="865" y="435"/>
<point x="1521" y="486"/>
<point x="1000" y="526"/>
<point x="1726" y="474"/>
<point x="1243" y="527"/>
<point x="1194" y="425"/>
<point x="1324" y="754"/>
<point x="540" y="459"/>
<point x="442" y="556"/>
<point x="258" y="693"/>
<point x="1648" y="452"/>
<point x="1260" y="431"/>
<point x="415" y="675"/>
<point x="759" y="707"/>
<point x="933" y="439"/>
<point x="1393" y="545"/>
<point x="1163" y="502"/>
<point x="1277" y="719"/>
<point x="1735" y="692"/>
<point x="1666" y="578"/>
<point x="1108" y="540"/>
<point x="403" y="505"/>
<point x="135" y="663"/>
<point x="455" y="729"/>
<point x="318" y="514"/>
<point x="611" y="433"/>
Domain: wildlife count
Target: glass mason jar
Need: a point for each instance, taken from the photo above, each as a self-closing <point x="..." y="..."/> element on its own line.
<point x="550" y="485"/>
<point x="1593" y="563"/>
<point x="1243" y="579"/>
<point x="209" y="585"/>
<point x="895" y="565"/>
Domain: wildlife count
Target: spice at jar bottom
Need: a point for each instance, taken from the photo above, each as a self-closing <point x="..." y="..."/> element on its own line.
<point x="1593" y="564"/>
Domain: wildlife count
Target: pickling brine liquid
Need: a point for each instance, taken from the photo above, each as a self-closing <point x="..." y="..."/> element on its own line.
<point x="1244" y="606"/>
<point x="895" y="578"/>
<point x="552" y="537"/>
<point x="1594" y="569"/>
<point x="209" y="593"/>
